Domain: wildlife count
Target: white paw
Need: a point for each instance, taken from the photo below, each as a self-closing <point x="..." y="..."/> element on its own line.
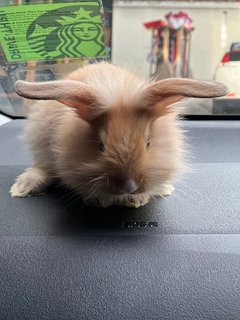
<point x="166" y="190"/>
<point x="32" y="181"/>
<point x="128" y="200"/>
<point x="135" y="201"/>
<point x="132" y="200"/>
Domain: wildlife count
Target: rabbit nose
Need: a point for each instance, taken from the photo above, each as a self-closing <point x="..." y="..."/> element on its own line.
<point x="123" y="186"/>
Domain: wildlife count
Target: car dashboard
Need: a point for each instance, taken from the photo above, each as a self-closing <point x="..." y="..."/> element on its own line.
<point x="175" y="258"/>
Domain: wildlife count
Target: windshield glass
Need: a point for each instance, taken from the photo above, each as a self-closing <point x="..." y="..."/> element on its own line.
<point x="195" y="39"/>
<point x="160" y="39"/>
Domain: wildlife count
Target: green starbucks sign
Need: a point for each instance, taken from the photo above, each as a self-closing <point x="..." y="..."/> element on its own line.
<point x="52" y="31"/>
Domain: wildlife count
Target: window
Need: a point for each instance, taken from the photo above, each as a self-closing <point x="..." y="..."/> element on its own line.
<point x="196" y="39"/>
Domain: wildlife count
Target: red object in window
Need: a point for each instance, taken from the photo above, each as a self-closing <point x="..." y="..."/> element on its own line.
<point x="154" y="24"/>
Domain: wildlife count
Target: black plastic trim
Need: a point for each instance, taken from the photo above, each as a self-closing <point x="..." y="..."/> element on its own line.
<point x="200" y="117"/>
<point x="10" y="116"/>
<point x="194" y="117"/>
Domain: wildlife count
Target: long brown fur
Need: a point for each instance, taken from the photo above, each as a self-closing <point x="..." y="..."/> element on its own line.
<point x="110" y="107"/>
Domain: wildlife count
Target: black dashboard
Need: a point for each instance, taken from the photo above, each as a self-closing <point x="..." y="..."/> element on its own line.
<point x="175" y="258"/>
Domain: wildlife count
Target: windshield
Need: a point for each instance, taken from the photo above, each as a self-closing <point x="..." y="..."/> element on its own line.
<point x="159" y="39"/>
<point x="183" y="39"/>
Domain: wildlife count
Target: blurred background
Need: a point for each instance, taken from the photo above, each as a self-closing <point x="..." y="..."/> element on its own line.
<point x="160" y="39"/>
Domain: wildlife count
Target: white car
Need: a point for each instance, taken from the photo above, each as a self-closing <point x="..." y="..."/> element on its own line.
<point x="228" y="72"/>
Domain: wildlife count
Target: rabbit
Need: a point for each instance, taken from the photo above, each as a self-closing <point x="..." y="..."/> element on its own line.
<point x="106" y="133"/>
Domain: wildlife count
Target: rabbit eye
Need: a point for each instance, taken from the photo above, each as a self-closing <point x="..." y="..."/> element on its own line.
<point x="148" y="144"/>
<point x="101" y="147"/>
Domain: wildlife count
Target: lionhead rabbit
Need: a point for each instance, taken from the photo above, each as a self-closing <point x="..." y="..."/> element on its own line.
<point x="109" y="135"/>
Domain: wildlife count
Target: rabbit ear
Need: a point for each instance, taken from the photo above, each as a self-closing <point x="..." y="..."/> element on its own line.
<point x="75" y="94"/>
<point x="187" y="88"/>
<point x="163" y="93"/>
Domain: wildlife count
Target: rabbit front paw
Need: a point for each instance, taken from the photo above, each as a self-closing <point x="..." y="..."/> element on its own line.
<point x="32" y="181"/>
<point x="133" y="200"/>
<point x="127" y="200"/>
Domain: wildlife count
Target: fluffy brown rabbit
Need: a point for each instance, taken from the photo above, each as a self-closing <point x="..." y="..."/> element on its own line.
<point x="109" y="135"/>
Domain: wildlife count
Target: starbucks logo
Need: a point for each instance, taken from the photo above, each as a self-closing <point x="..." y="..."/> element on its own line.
<point x="69" y="32"/>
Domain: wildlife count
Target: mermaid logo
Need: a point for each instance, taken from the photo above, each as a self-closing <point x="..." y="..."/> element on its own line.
<point x="69" y="32"/>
